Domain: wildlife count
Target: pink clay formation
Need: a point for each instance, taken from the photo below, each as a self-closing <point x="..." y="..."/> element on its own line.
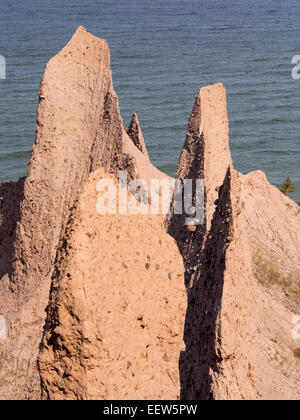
<point x="138" y="306"/>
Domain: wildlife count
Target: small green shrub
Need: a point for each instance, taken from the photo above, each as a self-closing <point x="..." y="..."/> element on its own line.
<point x="287" y="187"/>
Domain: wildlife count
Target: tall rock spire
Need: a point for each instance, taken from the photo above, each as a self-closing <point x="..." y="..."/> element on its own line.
<point x="135" y="133"/>
<point x="206" y="156"/>
<point x="79" y="128"/>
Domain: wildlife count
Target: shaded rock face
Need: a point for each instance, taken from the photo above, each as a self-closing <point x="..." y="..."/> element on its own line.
<point x="11" y="194"/>
<point x="117" y="314"/>
<point x="205" y="156"/>
<point x="203" y="329"/>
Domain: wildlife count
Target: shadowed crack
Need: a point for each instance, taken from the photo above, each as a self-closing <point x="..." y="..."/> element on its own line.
<point x="202" y="333"/>
<point x="204" y="258"/>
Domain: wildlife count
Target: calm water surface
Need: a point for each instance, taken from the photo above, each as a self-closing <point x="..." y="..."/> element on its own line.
<point x="162" y="52"/>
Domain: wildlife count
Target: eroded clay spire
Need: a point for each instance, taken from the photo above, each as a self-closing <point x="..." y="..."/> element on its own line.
<point x="135" y="133"/>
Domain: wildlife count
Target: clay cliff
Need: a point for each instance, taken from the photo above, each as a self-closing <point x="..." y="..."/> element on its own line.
<point x="140" y="306"/>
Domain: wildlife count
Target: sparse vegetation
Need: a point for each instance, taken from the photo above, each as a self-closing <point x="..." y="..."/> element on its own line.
<point x="269" y="274"/>
<point x="287" y="187"/>
<point x="297" y="212"/>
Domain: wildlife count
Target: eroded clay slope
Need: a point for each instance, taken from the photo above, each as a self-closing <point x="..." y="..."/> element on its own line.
<point x="239" y="342"/>
<point x="117" y="307"/>
<point x="272" y="221"/>
<point x="257" y="345"/>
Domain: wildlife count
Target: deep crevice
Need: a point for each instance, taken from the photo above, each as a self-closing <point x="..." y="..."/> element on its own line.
<point x="202" y="333"/>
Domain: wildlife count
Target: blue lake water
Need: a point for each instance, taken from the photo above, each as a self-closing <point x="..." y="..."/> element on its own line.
<point x="162" y="52"/>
